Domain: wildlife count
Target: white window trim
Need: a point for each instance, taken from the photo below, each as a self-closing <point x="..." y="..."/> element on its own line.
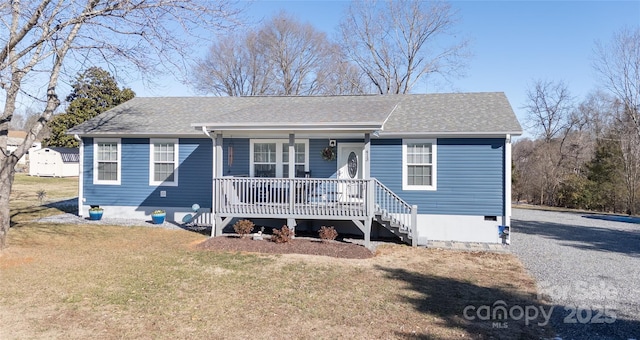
<point x="280" y="144"/>
<point x="176" y="158"/>
<point x="434" y="165"/>
<point x="95" y="160"/>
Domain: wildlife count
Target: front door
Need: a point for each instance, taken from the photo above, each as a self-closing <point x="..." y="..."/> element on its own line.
<point x="350" y="167"/>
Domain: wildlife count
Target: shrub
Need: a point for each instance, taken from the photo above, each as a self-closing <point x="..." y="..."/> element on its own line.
<point x="243" y="227"/>
<point x="327" y="233"/>
<point x="283" y="235"/>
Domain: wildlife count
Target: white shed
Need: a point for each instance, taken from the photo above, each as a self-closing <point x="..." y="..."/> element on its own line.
<point x="54" y="162"/>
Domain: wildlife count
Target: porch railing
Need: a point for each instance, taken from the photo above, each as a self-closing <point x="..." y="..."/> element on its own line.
<point x="313" y="198"/>
<point x="344" y="198"/>
<point x="390" y="207"/>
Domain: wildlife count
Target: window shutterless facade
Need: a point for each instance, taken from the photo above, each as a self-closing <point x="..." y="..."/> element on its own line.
<point x="419" y="160"/>
<point x="163" y="162"/>
<point x="107" y="161"/>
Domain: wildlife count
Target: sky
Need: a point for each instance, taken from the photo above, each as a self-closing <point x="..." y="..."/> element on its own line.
<point x="514" y="43"/>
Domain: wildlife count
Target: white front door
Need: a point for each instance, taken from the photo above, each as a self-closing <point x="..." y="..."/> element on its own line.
<point x="350" y="158"/>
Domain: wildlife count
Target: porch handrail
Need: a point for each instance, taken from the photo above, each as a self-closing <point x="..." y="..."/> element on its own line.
<point x="393" y="208"/>
<point x="330" y="198"/>
<point x="269" y="197"/>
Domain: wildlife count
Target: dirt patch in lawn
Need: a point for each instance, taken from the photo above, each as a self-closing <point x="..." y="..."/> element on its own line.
<point x="303" y="246"/>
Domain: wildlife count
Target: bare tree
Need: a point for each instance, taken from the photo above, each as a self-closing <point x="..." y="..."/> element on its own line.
<point x="281" y="57"/>
<point x="551" y="113"/>
<point x="342" y="77"/>
<point x="298" y="51"/>
<point x="44" y="38"/>
<point x="399" y="43"/>
<point x="549" y="109"/>
<point x="624" y="130"/>
<point x="595" y="113"/>
<point x="618" y="64"/>
<point x="233" y="67"/>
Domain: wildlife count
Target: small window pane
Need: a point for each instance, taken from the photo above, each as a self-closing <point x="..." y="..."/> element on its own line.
<point x="299" y="149"/>
<point x="163" y="172"/>
<point x="419" y="175"/>
<point x="107" y="171"/>
<point x="264" y="152"/>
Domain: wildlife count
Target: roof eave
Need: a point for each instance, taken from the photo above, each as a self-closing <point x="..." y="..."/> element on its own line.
<point x="134" y="134"/>
<point x="451" y="134"/>
<point x="274" y="127"/>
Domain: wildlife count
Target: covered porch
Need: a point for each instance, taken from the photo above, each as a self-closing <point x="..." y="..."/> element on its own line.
<point x="293" y="192"/>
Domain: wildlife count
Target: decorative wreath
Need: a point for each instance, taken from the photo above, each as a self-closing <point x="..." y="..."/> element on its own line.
<point x="328" y="154"/>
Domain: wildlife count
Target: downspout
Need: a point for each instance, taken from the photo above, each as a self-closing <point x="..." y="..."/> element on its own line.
<point x="213" y="180"/>
<point x="80" y="175"/>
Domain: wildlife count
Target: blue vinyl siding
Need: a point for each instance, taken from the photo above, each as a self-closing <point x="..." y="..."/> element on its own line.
<point x="194" y="176"/>
<point x="241" y="157"/>
<point x="469" y="182"/>
<point x="319" y="167"/>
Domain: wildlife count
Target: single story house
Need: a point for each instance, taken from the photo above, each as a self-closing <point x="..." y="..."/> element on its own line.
<point x="421" y="166"/>
<point x="54" y="162"/>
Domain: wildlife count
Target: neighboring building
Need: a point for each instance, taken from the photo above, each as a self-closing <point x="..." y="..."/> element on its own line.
<point x="54" y="162"/>
<point x="15" y="138"/>
<point x="423" y="166"/>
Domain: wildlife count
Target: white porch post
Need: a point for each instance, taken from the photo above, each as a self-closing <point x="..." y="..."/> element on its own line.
<point x="291" y="222"/>
<point x="366" y="166"/>
<point x="218" y="159"/>
<point x="217" y="172"/>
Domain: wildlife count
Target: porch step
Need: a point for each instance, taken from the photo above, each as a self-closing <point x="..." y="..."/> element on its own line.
<point x="394" y="227"/>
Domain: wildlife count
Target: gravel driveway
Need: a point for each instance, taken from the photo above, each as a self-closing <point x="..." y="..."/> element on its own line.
<point x="588" y="265"/>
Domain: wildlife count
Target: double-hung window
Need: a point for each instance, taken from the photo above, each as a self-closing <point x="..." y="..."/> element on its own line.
<point x="264" y="159"/>
<point x="106" y="161"/>
<point x="419" y="164"/>
<point x="163" y="165"/>
<point x="270" y="158"/>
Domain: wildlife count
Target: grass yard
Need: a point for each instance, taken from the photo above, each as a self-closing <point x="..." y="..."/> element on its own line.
<point x="113" y="282"/>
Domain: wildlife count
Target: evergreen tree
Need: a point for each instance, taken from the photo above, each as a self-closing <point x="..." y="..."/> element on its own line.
<point x="605" y="173"/>
<point x="94" y="92"/>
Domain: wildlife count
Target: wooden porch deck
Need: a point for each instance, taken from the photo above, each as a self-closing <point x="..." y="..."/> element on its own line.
<point x="359" y="200"/>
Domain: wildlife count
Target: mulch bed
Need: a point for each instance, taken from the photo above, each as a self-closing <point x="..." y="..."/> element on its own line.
<point x="295" y="246"/>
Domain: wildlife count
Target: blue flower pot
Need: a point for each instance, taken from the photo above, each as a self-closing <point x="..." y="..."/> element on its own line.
<point x="95" y="215"/>
<point x="158" y="218"/>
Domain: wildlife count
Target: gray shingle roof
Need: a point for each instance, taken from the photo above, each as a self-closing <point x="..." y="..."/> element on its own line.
<point x="454" y="113"/>
<point x="414" y="113"/>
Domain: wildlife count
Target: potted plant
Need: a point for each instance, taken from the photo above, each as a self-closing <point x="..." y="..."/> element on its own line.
<point x="158" y="216"/>
<point x="95" y="213"/>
